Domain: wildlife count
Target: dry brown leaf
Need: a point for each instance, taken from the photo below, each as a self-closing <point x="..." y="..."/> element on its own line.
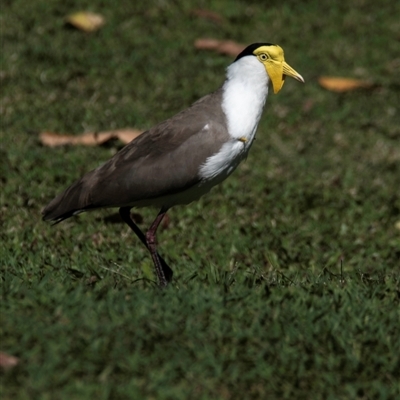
<point x="88" y="139"/>
<point x="127" y="135"/>
<point x="228" y="47"/>
<point x="207" y="14"/>
<point x="341" y="85"/>
<point x="51" y="139"/>
<point x="7" y="361"/>
<point x="86" y="21"/>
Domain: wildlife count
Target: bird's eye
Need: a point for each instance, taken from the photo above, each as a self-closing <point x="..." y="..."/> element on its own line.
<point x="263" y="57"/>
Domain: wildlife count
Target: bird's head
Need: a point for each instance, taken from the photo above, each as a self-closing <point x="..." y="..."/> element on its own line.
<point x="271" y="56"/>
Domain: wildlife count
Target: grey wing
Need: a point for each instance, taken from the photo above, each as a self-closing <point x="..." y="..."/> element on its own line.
<point x="161" y="161"/>
<point x="160" y="172"/>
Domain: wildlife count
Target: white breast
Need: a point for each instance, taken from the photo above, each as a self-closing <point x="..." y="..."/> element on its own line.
<point x="245" y="92"/>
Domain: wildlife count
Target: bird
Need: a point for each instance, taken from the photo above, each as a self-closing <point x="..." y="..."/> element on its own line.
<point x="182" y="158"/>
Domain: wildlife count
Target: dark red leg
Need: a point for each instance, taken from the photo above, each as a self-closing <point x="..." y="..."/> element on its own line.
<point x="164" y="272"/>
<point x="152" y="246"/>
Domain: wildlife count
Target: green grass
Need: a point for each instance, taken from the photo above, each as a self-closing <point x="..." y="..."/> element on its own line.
<point x="287" y="280"/>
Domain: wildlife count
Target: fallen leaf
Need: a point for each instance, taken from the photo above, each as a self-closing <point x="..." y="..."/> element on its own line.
<point x="51" y="139"/>
<point x="341" y="85"/>
<point x="228" y="47"/>
<point x="89" y="139"/>
<point x="85" y="21"/>
<point x="7" y="361"/>
<point x="207" y="14"/>
<point x="127" y="135"/>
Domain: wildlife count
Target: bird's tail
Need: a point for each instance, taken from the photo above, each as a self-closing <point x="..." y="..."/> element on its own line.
<point x="72" y="201"/>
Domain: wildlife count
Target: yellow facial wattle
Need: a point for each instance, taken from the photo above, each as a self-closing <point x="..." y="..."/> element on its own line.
<point x="274" y="62"/>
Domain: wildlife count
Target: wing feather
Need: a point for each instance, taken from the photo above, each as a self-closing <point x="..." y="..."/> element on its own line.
<point x="162" y="160"/>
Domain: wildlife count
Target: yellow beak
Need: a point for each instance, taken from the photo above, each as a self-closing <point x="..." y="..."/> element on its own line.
<point x="277" y="71"/>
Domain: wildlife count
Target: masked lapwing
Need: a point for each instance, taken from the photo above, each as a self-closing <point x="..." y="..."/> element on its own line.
<point x="182" y="158"/>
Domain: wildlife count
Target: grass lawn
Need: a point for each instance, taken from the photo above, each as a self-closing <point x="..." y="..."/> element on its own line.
<point x="287" y="282"/>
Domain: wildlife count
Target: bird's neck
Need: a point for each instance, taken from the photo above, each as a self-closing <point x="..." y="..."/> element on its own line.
<point x="244" y="94"/>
